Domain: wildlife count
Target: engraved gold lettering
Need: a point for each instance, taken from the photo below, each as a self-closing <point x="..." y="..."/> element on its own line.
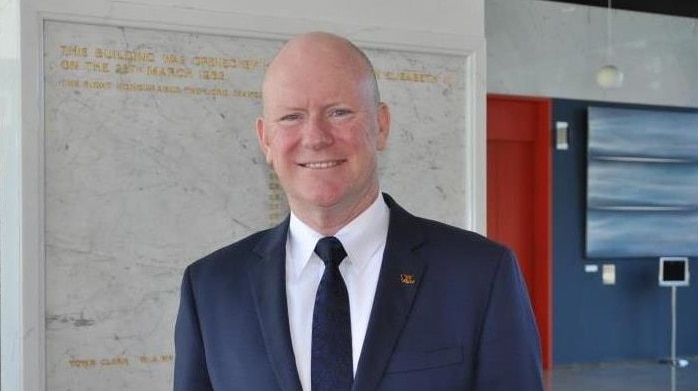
<point x="73" y="51"/>
<point x="215" y="62"/>
<point x="212" y="75"/>
<point x="99" y="85"/>
<point x="121" y="361"/>
<point x="275" y="217"/>
<point x="152" y="64"/>
<point x="169" y="89"/>
<point x="69" y="83"/>
<point x="136" y="87"/>
<point x="173" y="59"/>
<point x="168" y="71"/>
<point x="126" y="68"/>
<point x="97" y="66"/>
<point x="275" y="199"/>
<point x="218" y="92"/>
<point x="247" y="94"/>
<point x="143" y="87"/>
<point x="156" y="359"/>
<point x="207" y="91"/>
<point x="82" y="363"/>
<point x="408" y="76"/>
<point x="69" y="65"/>
<point x="146" y="359"/>
<point x="135" y="56"/>
<point x="195" y="90"/>
<point x="251" y="64"/>
<point x="114" y="361"/>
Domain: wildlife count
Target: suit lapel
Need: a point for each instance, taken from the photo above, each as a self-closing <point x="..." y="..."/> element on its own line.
<point x="268" y="280"/>
<point x="398" y="282"/>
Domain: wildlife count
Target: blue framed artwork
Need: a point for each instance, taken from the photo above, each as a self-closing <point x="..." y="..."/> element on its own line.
<point x="642" y="183"/>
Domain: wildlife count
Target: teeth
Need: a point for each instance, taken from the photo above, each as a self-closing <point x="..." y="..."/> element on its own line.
<point x="321" y="165"/>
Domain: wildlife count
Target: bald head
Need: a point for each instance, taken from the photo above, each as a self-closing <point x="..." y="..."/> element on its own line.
<point x="322" y="128"/>
<point x="337" y="52"/>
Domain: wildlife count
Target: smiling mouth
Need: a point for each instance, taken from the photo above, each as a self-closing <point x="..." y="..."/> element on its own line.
<point x="323" y="165"/>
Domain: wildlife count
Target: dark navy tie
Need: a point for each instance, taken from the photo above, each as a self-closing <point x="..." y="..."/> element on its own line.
<point x="331" y="367"/>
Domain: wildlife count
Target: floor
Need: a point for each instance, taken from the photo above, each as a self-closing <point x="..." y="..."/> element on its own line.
<point x="626" y="376"/>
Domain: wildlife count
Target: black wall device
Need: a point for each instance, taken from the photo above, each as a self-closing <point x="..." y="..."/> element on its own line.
<point x="673" y="271"/>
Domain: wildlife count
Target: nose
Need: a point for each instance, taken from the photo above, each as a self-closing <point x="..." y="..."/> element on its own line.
<point x="317" y="133"/>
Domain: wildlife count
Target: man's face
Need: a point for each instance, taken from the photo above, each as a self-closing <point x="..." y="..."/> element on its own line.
<point x="322" y="128"/>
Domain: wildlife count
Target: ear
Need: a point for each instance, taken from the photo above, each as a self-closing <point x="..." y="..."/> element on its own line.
<point x="263" y="139"/>
<point x="383" y="126"/>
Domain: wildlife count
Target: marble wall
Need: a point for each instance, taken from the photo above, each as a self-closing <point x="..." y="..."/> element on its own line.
<point x="553" y="49"/>
<point x="38" y="246"/>
<point x="151" y="161"/>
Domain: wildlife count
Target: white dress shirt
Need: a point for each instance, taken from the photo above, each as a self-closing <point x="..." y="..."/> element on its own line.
<point x="364" y="241"/>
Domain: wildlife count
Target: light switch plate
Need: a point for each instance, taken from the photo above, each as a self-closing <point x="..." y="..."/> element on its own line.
<point x="562" y="136"/>
<point x="608" y="274"/>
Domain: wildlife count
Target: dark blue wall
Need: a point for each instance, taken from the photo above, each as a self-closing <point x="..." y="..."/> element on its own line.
<point x="592" y="322"/>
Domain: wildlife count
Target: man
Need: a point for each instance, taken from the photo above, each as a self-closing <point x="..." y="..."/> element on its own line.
<point x="415" y="305"/>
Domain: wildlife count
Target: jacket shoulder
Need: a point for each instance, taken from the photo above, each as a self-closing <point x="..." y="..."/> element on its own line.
<point x="439" y="235"/>
<point x="436" y="230"/>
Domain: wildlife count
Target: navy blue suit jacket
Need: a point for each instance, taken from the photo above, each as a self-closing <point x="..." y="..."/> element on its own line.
<point x="450" y="313"/>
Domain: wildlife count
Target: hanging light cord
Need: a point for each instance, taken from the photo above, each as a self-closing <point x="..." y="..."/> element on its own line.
<point x="609" y="33"/>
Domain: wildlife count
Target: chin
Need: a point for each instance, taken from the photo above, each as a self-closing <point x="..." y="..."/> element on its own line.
<point x="325" y="198"/>
<point x="326" y="201"/>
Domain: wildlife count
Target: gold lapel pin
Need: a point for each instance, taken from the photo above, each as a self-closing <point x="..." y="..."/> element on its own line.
<point x="407" y="279"/>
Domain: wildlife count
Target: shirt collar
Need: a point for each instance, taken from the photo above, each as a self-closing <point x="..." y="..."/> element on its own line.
<point x="361" y="238"/>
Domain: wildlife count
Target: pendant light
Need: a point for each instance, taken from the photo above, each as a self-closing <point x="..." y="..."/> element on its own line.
<point x="609" y="76"/>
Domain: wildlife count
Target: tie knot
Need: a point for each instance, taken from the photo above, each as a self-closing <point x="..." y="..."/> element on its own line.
<point x="330" y="250"/>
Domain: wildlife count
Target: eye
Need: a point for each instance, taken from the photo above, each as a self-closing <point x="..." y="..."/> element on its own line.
<point x="290" y="117"/>
<point x="338" y="112"/>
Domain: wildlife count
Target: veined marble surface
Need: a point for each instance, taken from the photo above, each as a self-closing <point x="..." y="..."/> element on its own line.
<point x="552" y="49"/>
<point x="151" y="161"/>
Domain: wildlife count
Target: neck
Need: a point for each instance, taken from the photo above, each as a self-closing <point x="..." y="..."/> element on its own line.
<point x="329" y="220"/>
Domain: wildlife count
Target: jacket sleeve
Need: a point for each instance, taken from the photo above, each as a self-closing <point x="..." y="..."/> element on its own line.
<point x="190" y="373"/>
<point x="509" y="355"/>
